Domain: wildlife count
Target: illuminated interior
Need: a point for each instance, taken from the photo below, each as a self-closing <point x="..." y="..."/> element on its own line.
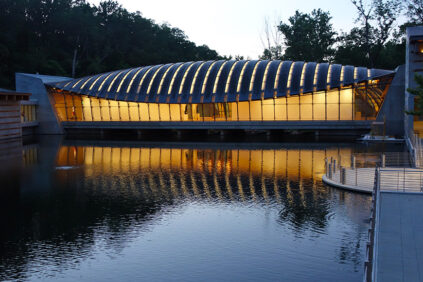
<point x="345" y="104"/>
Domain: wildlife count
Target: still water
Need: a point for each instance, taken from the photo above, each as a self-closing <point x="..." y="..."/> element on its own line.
<point x="126" y="211"/>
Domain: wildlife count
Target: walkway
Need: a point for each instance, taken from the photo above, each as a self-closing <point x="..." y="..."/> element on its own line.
<point x="391" y="179"/>
<point x="399" y="237"/>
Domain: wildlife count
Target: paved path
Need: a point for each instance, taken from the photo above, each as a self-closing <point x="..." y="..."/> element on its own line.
<point x="399" y="239"/>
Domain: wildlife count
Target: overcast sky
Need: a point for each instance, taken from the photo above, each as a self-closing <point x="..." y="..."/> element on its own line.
<point x="234" y="27"/>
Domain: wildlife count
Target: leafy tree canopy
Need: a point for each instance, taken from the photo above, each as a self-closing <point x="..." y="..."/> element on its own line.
<point x="75" y="38"/>
<point x="308" y="37"/>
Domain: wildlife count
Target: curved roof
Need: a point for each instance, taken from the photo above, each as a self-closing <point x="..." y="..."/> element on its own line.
<point x="218" y="81"/>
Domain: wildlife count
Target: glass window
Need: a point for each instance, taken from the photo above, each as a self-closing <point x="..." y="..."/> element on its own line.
<point x="268" y="109"/>
<point x="293" y="108"/>
<point x="255" y="110"/>
<point x="114" y="111"/>
<point x="280" y="109"/>
<point x="175" y="112"/>
<point x="124" y="111"/>
<point x="306" y="107"/>
<point x="133" y="111"/>
<point x="244" y="111"/>
<point x="164" y="112"/>
<point x="86" y="105"/>
<point x="319" y="106"/>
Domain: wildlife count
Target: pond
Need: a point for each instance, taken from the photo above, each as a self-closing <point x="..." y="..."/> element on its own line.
<point x="168" y="211"/>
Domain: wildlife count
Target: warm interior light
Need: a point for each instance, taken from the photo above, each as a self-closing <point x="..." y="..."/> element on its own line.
<point x="420" y="48"/>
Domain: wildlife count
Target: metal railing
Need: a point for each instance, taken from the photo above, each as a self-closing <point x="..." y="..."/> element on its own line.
<point x="360" y="172"/>
<point x="416" y="150"/>
<point x="370" y="246"/>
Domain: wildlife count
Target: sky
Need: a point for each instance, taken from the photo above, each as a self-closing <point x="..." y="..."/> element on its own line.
<point x="235" y="27"/>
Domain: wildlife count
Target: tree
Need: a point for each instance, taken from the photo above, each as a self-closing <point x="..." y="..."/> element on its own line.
<point x="75" y="38"/>
<point x="271" y="41"/>
<point x="415" y="11"/>
<point x="309" y="37"/>
<point x="418" y="92"/>
<point x="377" y="22"/>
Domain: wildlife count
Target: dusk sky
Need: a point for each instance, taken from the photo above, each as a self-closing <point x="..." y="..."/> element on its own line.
<point x="234" y="27"/>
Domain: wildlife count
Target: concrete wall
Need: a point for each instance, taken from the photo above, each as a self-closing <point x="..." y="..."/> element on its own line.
<point x="46" y="114"/>
<point x="414" y="64"/>
<point x="392" y="111"/>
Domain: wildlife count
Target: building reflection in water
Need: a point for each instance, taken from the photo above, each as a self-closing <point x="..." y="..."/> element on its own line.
<point x="290" y="176"/>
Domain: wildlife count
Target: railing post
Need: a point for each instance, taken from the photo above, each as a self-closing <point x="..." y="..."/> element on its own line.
<point x="330" y="171"/>
<point x="326" y="167"/>
<point x="383" y="161"/>
<point x="342" y="175"/>
<point x="353" y="162"/>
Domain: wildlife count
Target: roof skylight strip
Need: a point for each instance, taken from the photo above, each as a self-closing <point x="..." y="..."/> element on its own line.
<point x="163" y="78"/>
<point x="132" y="79"/>
<point x="253" y="76"/>
<point x="181" y="87"/>
<point x="218" y="77"/>
<point x="241" y="76"/>
<point x="228" y="80"/>
<point x="173" y="79"/>
<point x="266" y="71"/>
<point x="195" y="78"/>
<point x="203" y="89"/>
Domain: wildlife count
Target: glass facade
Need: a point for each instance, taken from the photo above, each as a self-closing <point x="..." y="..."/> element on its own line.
<point x="361" y="102"/>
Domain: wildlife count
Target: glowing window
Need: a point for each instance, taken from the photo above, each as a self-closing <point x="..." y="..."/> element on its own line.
<point x="85" y="83"/>
<point x="303" y="75"/>
<point x="184" y="77"/>
<point x="113" y="81"/>
<point x="95" y="81"/>
<point x="253" y="77"/>
<point x="123" y="80"/>
<point x="173" y="79"/>
<point x="316" y="73"/>
<point x="329" y="74"/>
<point x="132" y="80"/>
<point x="195" y="78"/>
<point x="288" y="83"/>
<point x="277" y="78"/>
<point x="104" y="80"/>
<point x="203" y="89"/>
<point x="369" y="74"/>
<point x="228" y="80"/>
<point x="342" y="74"/>
<point x="355" y="73"/>
<point x="152" y="79"/>
<point x="163" y="78"/>
<point x="142" y="80"/>
<point x="263" y="84"/>
<point x="217" y="77"/>
<point x="238" y="88"/>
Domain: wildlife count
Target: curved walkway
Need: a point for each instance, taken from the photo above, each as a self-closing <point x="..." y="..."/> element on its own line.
<point x="391" y="179"/>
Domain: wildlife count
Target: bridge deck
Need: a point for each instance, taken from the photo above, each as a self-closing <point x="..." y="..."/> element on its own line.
<point x="399" y="237"/>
